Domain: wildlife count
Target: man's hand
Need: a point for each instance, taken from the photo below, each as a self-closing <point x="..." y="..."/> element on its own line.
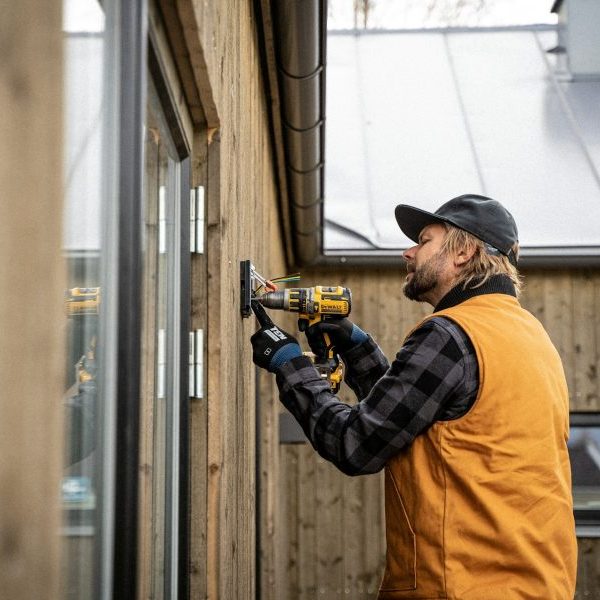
<point x="343" y="335"/>
<point x="272" y="347"/>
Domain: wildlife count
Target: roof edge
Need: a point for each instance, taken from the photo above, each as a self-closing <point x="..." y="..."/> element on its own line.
<point x="493" y="28"/>
<point x="532" y="257"/>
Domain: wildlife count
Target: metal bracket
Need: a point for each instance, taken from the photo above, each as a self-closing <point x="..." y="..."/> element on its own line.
<point x="197" y="222"/>
<point x="193" y="221"/>
<point x="246" y="269"/>
<point x="161" y="366"/>
<point x="250" y="281"/>
<point x="196" y="364"/>
<point x="162" y="219"/>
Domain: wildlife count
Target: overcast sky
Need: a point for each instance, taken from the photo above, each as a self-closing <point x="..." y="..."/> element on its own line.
<point x="82" y="16"/>
<point x="417" y="14"/>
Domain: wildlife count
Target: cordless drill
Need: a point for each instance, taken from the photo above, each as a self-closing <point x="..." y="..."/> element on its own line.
<point x="313" y="305"/>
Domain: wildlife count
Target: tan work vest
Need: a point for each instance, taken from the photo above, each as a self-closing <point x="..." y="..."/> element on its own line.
<point x="480" y="508"/>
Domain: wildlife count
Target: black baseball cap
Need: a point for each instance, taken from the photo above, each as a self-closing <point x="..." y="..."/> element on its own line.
<point x="480" y="216"/>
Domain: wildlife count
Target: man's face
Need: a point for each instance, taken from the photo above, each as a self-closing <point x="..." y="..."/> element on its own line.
<point x="429" y="271"/>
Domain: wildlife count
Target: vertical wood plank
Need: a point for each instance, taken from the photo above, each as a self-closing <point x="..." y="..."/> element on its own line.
<point x="373" y="560"/>
<point x="213" y="374"/>
<point x="32" y="280"/>
<point x="352" y="534"/>
<point x="532" y="297"/>
<point x="559" y="320"/>
<point x="329" y="552"/>
<point x="308" y="534"/>
<point x="268" y="492"/>
<point x="286" y="566"/>
<point x="198" y="422"/>
<point x="584" y="349"/>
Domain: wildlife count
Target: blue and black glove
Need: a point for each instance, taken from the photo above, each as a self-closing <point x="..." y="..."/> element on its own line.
<point x="272" y="347"/>
<point x="343" y="335"/>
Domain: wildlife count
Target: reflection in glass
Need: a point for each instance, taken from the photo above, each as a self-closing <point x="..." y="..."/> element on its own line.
<point x="85" y="174"/>
<point x="160" y="359"/>
<point x="584" y="451"/>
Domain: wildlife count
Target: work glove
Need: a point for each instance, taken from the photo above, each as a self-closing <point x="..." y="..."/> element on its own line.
<point x="272" y="347"/>
<point x="343" y="335"/>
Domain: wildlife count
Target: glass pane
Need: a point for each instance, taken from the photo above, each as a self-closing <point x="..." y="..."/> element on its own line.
<point x="159" y="387"/>
<point x="89" y="210"/>
<point x="584" y="451"/>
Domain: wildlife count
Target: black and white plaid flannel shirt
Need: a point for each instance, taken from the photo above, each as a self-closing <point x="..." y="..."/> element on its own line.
<point x="433" y="377"/>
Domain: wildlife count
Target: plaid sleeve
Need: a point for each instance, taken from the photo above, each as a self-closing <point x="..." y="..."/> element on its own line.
<point x="365" y="365"/>
<point x="433" y="373"/>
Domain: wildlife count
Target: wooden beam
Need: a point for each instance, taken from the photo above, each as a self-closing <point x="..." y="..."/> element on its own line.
<point x="191" y="34"/>
<point x="181" y="56"/>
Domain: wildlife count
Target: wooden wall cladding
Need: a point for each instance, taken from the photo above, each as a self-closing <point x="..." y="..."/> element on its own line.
<point x="332" y="542"/>
<point x="233" y="159"/>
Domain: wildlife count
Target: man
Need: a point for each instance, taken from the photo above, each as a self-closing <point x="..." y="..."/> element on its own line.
<point x="470" y="420"/>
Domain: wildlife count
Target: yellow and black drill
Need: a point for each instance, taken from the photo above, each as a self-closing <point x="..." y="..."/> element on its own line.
<point x="313" y="305"/>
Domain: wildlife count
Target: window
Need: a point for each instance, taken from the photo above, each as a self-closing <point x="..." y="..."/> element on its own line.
<point x="163" y="386"/>
<point x="89" y="251"/>
<point x="584" y="451"/>
<point x="126" y="244"/>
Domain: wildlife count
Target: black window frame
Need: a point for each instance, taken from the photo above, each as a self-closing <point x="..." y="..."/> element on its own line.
<point x="138" y="56"/>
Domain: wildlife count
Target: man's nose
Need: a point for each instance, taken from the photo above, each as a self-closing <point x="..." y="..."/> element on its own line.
<point x="409" y="253"/>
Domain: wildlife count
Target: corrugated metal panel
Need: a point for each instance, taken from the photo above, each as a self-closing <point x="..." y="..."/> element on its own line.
<point x="419" y="118"/>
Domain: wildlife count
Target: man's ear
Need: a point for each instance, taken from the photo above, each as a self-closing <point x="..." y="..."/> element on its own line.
<point x="464" y="255"/>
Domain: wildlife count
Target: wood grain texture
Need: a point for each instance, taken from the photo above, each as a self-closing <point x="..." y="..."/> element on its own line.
<point x="236" y="166"/>
<point x="588" y="569"/>
<point x="199" y="406"/>
<point x="584" y="394"/>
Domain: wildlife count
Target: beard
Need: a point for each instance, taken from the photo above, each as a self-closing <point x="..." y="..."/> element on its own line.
<point x="424" y="278"/>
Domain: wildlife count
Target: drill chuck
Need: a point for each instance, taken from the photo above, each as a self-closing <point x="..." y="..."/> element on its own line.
<point x="275" y="300"/>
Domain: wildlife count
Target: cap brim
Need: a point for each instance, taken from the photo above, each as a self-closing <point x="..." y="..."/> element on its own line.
<point x="413" y="220"/>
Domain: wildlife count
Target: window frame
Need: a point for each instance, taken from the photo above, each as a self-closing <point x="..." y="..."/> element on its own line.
<point x="139" y="53"/>
<point x="178" y="512"/>
<point x="132" y="97"/>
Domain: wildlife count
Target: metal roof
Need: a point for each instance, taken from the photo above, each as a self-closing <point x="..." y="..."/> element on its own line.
<point x="421" y="117"/>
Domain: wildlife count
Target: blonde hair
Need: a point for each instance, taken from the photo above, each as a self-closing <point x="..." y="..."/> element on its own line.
<point x="482" y="265"/>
